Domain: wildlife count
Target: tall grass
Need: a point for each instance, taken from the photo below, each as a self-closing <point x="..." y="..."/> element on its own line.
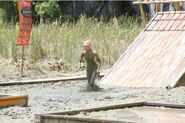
<point x="55" y="41"/>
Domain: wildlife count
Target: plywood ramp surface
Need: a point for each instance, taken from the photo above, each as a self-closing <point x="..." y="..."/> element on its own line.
<point x="156" y="58"/>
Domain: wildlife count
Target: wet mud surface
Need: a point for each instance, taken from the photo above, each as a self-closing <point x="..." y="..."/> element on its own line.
<point x="144" y="114"/>
<point x="72" y="95"/>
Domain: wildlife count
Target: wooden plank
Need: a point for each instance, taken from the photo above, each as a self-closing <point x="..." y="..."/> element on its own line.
<point x="157" y="26"/>
<point x="181" y="25"/>
<point x="69" y="116"/>
<point x="170" y="16"/>
<point x="177" y="6"/>
<point x="182" y="16"/>
<point x="127" y="53"/>
<point x="172" y="12"/>
<point x="151" y="26"/>
<point x="12" y="100"/>
<point x="126" y="56"/>
<point x="168" y="105"/>
<point x="103" y="108"/>
<point x="156" y="1"/>
<point x="175" y="25"/>
<point x="169" y="25"/>
<point x="70" y="119"/>
<point x="142" y="13"/>
<point x="159" y="16"/>
<point x="164" y="23"/>
<point x="158" y="7"/>
<point x="48" y="80"/>
<point x="140" y="65"/>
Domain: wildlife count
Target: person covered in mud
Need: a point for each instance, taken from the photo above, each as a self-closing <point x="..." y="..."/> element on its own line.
<point x="93" y="62"/>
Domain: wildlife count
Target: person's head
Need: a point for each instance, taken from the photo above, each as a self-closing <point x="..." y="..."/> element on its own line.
<point x="87" y="45"/>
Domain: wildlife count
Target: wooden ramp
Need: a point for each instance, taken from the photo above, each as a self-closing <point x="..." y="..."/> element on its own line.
<point x="156" y="58"/>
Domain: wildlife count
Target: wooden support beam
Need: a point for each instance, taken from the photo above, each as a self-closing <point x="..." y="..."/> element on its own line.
<point x="143" y="17"/>
<point x="156" y="1"/>
<point x="158" y="7"/>
<point x="177" y="6"/>
<point x="48" y="80"/>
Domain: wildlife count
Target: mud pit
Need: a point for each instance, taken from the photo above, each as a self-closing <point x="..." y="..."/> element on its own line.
<point x="64" y="96"/>
<point x="144" y="114"/>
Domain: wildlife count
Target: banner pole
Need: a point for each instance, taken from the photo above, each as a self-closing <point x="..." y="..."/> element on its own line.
<point x="22" y="66"/>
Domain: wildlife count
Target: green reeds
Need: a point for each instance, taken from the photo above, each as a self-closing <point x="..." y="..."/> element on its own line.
<point x="56" y="41"/>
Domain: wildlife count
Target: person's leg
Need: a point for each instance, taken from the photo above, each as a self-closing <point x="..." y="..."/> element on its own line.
<point x="89" y="74"/>
<point x="93" y="77"/>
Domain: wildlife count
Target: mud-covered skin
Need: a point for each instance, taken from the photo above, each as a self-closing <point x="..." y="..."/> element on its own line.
<point x="93" y="62"/>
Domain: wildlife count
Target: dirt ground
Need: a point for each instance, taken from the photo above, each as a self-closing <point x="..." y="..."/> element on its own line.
<point x="64" y="96"/>
<point x="11" y="71"/>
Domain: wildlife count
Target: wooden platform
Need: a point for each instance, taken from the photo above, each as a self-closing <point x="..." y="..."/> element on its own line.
<point x="13" y="100"/>
<point x="83" y="116"/>
<point x="156" y="58"/>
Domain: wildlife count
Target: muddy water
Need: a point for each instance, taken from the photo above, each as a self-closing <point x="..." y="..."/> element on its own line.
<point x="143" y="114"/>
<point x="72" y="95"/>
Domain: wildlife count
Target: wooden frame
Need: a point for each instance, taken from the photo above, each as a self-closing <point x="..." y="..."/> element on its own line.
<point x="158" y="5"/>
<point x="66" y="116"/>
<point x="156" y="1"/>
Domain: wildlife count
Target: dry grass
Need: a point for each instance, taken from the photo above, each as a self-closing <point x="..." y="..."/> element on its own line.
<point x="55" y="41"/>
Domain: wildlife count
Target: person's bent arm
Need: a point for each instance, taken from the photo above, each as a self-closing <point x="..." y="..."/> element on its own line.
<point x="82" y="62"/>
<point x="98" y="61"/>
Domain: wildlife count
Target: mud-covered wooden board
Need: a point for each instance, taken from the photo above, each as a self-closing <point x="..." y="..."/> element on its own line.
<point x="13" y="100"/>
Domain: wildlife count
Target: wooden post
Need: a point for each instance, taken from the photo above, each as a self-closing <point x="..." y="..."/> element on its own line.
<point x="22" y="65"/>
<point x="177" y="6"/>
<point x="142" y="13"/>
<point x="158" y="7"/>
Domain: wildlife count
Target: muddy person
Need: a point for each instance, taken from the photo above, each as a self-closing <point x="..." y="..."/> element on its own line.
<point x="93" y="62"/>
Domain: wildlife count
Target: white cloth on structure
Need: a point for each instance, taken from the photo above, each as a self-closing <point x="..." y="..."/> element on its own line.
<point x="171" y="7"/>
<point x="183" y="5"/>
<point x="152" y="10"/>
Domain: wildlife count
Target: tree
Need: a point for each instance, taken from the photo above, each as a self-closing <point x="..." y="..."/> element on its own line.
<point x="47" y="10"/>
<point x="9" y="11"/>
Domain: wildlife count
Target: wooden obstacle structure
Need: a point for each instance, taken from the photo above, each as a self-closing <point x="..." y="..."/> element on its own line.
<point x="13" y="100"/>
<point x="158" y="3"/>
<point x="156" y="58"/>
<point x="73" y="116"/>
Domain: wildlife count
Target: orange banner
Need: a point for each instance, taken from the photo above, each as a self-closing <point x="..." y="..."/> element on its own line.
<point x="25" y="22"/>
